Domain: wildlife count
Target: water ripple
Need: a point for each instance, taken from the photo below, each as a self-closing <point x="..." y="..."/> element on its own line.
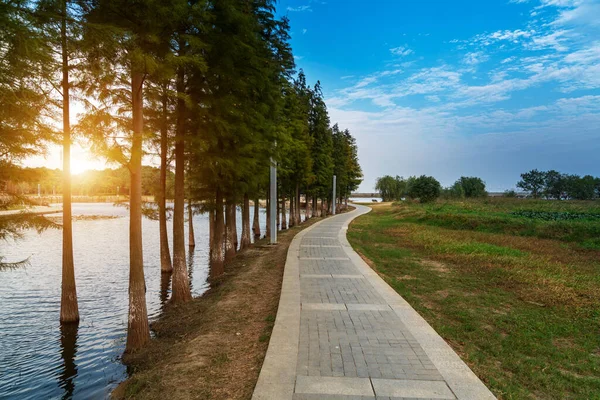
<point x="41" y="359"/>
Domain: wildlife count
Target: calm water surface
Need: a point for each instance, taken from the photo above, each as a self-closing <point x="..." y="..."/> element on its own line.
<point x="41" y="360"/>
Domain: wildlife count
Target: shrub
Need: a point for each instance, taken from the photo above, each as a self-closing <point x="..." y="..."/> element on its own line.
<point x="455" y="191"/>
<point x="472" y="186"/>
<point x="425" y="188"/>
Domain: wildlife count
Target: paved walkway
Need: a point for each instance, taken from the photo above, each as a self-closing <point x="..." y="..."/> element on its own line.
<point x="342" y="333"/>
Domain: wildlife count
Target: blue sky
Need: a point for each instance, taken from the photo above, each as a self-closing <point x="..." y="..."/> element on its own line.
<point x="448" y="88"/>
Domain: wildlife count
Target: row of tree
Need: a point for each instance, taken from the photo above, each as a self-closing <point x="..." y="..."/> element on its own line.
<point x="538" y="184"/>
<point x="427" y="188"/>
<point x="208" y="84"/>
<point x="107" y="182"/>
<point x="555" y="185"/>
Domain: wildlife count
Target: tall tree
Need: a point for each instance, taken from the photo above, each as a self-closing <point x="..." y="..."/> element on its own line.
<point x="166" y="266"/>
<point x="121" y="52"/>
<point x="322" y="146"/>
<point x="69" y="309"/>
<point x="188" y="25"/>
<point x="60" y="28"/>
<point x="158" y="115"/>
<point x="533" y="182"/>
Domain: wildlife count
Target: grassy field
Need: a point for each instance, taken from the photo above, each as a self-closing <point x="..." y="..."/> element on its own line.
<point x="513" y="286"/>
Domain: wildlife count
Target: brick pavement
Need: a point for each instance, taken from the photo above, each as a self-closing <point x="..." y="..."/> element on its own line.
<point x="352" y="342"/>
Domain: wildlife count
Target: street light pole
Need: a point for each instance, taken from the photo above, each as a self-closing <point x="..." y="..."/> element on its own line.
<point x="273" y="202"/>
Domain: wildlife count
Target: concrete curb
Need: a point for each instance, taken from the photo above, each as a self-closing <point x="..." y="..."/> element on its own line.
<point x="459" y="377"/>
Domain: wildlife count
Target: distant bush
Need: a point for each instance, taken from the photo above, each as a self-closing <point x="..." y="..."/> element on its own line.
<point x="509" y="193"/>
<point x="455" y="191"/>
<point x="391" y="188"/>
<point x="472" y="186"/>
<point x="424" y="188"/>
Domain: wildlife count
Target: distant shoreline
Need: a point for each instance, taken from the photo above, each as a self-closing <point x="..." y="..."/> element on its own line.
<point x="35" y="210"/>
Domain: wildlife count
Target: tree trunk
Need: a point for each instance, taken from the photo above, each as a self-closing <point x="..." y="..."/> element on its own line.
<point x="234" y="226"/>
<point x="308" y="207"/>
<point x="191" y="236"/>
<point x="297" y="209"/>
<point x="283" y="216"/>
<point x="165" y="282"/>
<point x="268" y="202"/>
<point x="256" y="220"/>
<point x="245" y="242"/>
<point x="211" y="231"/>
<point x="181" y="286"/>
<point x="190" y="266"/>
<point x="165" y="255"/>
<point x="217" y="257"/>
<point x="278" y="207"/>
<point x="69" y="309"/>
<point x="292" y="213"/>
<point x="315" y="209"/>
<point x="138" y="332"/>
<point x="323" y="208"/>
<point x="230" y="230"/>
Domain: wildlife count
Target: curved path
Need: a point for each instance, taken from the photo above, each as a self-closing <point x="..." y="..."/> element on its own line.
<point x="342" y="333"/>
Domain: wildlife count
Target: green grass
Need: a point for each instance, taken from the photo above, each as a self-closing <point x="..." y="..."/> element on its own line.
<point x="571" y="221"/>
<point x="521" y="309"/>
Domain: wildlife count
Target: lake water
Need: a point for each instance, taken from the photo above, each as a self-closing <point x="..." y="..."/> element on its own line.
<point x="41" y="360"/>
<point x="365" y="199"/>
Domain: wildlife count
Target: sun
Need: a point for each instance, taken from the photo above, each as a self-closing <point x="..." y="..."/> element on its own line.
<point x="82" y="160"/>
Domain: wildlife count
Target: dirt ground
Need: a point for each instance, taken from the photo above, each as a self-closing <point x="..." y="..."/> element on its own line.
<point x="214" y="346"/>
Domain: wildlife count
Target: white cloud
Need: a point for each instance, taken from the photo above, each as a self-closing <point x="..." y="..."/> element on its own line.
<point x="585" y="56"/>
<point x="366" y="81"/>
<point x="554" y="40"/>
<point x="579" y="104"/>
<point x="401" y="51"/>
<point x="512" y="36"/>
<point x="586" y="13"/>
<point x="475" y="58"/>
<point x="300" y="8"/>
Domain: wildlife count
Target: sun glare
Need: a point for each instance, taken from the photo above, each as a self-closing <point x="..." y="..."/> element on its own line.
<point x="82" y="160"/>
<point x="79" y="166"/>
